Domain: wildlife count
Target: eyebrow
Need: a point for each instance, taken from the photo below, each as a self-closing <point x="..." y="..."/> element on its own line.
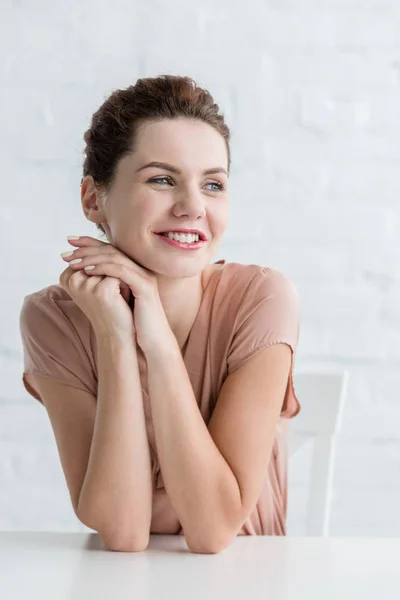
<point x="173" y="169"/>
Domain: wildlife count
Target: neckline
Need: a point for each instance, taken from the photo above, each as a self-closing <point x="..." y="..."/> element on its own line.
<point x="189" y="345"/>
<point x="199" y="312"/>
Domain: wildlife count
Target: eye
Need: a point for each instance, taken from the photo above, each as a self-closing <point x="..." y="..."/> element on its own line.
<point x="157" y="179"/>
<point x="220" y="186"/>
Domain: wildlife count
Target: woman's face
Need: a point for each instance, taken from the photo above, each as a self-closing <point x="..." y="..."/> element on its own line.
<point x="145" y="200"/>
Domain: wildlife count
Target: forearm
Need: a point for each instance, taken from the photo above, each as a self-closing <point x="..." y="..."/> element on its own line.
<point x="116" y="495"/>
<point x="199" y="482"/>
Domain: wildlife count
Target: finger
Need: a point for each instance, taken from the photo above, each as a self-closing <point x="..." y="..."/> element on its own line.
<point x="95" y="256"/>
<point x="134" y="279"/>
<point x="110" y="254"/>
<point x="89" y="251"/>
<point x="65" y="277"/>
<point x="76" y="278"/>
<point x="86" y="240"/>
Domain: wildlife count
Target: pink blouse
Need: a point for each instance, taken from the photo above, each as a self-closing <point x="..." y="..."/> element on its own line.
<point x="244" y="308"/>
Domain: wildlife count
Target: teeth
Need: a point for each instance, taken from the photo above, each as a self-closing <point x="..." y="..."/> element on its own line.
<point x="189" y="238"/>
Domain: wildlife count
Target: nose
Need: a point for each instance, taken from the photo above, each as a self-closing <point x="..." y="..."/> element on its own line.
<point x="190" y="203"/>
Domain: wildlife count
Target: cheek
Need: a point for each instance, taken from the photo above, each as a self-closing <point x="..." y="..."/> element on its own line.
<point x="219" y="218"/>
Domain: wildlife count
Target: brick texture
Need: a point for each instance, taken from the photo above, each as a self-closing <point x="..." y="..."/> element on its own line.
<point x="310" y="89"/>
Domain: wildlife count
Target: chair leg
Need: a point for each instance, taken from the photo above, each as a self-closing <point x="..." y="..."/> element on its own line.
<point x="320" y="499"/>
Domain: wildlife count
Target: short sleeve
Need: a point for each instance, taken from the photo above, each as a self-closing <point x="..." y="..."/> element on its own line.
<point x="269" y="314"/>
<point x="52" y="346"/>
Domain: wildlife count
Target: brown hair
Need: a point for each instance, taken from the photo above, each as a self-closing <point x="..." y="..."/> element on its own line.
<point x="111" y="134"/>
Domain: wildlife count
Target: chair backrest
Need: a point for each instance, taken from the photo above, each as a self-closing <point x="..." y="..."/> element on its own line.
<point x="322" y="397"/>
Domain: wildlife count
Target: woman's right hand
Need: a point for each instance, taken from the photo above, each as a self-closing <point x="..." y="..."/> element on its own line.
<point x="103" y="299"/>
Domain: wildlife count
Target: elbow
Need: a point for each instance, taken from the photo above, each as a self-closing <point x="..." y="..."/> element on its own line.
<point x="215" y="541"/>
<point x="121" y="542"/>
<point x="125" y="541"/>
<point x="213" y="544"/>
<point x="116" y="540"/>
<point x="124" y="544"/>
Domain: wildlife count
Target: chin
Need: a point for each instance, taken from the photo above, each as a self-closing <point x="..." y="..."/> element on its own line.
<point x="181" y="270"/>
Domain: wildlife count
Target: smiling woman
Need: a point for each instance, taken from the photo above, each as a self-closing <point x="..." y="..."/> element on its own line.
<point x="116" y="128"/>
<point x="174" y="375"/>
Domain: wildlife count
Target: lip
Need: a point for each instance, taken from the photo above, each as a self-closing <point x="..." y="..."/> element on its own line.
<point x="202" y="235"/>
<point x="181" y="245"/>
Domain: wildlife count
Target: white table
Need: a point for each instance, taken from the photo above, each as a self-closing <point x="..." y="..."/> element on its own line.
<point x="75" y="566"/>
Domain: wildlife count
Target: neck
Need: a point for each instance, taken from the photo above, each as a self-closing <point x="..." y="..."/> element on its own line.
<point x="181" y="304"/>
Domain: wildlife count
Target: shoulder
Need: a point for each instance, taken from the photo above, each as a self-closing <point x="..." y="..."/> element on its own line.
<point x="267" y="312"/>
<point x="272" y="281"/>
<point x="252" y="282"/>
<point x="270" y="275"/>
<point x="43" y="299"/>
<point x="49" y="305"/>
<point x="56" y="340"/>
<point x="51" y="293"/>
<point x="254" y="300"/>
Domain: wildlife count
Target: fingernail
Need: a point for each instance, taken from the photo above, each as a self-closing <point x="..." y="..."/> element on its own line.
<point x="65" y="254"/>
<point x="73" y="237"/>
<point x="73" y="262"/>
<point x="89" y="268"/>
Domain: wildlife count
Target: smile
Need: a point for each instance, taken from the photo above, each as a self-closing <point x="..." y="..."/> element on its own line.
<point x="181" y="245"/>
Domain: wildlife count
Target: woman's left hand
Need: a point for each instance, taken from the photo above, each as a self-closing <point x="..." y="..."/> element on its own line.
<point x="148" y="313"/>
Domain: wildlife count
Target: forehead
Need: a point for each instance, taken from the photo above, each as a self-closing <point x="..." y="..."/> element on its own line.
<point x="189" y="141"/>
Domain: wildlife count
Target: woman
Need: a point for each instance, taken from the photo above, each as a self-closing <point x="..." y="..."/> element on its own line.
<point x="167" y="379"/>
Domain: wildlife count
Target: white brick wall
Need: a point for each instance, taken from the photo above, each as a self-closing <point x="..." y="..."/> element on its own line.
<point x="311" y="91"/>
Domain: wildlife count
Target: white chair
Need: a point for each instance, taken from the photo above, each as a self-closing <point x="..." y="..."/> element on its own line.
<point x="322" y="397"/>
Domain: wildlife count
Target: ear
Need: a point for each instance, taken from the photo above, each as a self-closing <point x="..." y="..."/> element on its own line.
<point x="92" y="200"/>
